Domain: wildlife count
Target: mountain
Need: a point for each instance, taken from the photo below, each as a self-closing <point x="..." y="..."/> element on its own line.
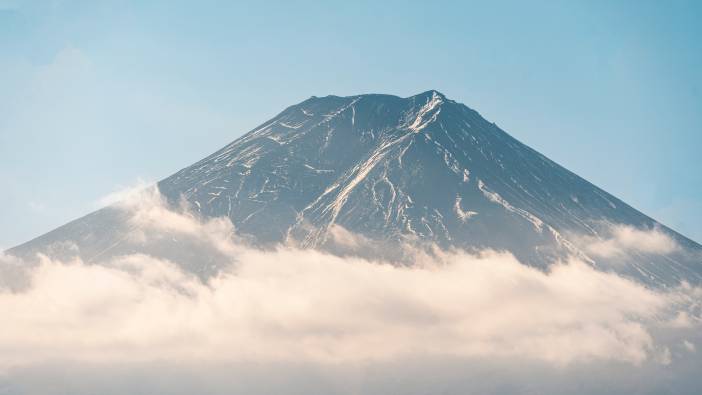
<point x="422" y="169"/>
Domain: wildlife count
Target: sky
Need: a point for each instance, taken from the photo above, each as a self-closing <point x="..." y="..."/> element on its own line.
<point x="97" y="95"/>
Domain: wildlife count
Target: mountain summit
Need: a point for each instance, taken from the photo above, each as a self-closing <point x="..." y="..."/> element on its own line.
<point x="419" y="169"/>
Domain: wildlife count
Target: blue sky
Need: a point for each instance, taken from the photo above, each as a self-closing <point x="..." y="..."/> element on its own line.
<point x="96" y="95"/>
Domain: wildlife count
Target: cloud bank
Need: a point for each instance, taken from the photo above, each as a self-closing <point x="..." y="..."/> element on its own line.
<point x="306" y="312"/>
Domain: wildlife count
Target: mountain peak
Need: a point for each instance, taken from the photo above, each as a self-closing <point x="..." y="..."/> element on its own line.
<point x="432" y="93"/>
<point x="422" y="97"/>
<point x="430" y="102"/>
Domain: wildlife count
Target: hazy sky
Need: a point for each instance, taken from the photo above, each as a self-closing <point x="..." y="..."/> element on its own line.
<point x="95" y="95"/>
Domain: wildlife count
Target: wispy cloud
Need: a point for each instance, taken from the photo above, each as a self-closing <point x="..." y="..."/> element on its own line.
<point x="622" y="240"/>
<point x="126" y="195"/>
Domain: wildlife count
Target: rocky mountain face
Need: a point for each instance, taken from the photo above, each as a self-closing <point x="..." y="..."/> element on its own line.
<point x="423" y="169"/>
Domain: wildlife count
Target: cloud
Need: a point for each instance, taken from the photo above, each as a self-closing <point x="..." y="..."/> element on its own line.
<point x="128" y="196"/>
<point x="344" y="238"/>
<point x="622" y="240"/>
<point x="293" y="309"/>
<point x="689" y="346"/>
<point x="306" y="305"/>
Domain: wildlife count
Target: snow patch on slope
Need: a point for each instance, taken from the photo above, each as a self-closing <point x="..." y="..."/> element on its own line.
<point x="496" y="198"/>
<point x="421" y="121"/>
<point x="464" y="216"/>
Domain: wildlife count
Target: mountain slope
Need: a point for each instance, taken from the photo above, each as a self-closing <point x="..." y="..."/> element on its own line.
<point x="417" y="169"/>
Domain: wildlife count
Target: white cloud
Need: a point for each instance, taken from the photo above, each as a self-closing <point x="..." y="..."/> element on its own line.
<point x="689" y="346"/>
<point x="127" y="196"/>
<point x="622" y="240"/>
<point x="304" y="304"/>
<point x="304" y="307"/>
<point x="295" y="304"/>
<point x="345" y="238"/>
